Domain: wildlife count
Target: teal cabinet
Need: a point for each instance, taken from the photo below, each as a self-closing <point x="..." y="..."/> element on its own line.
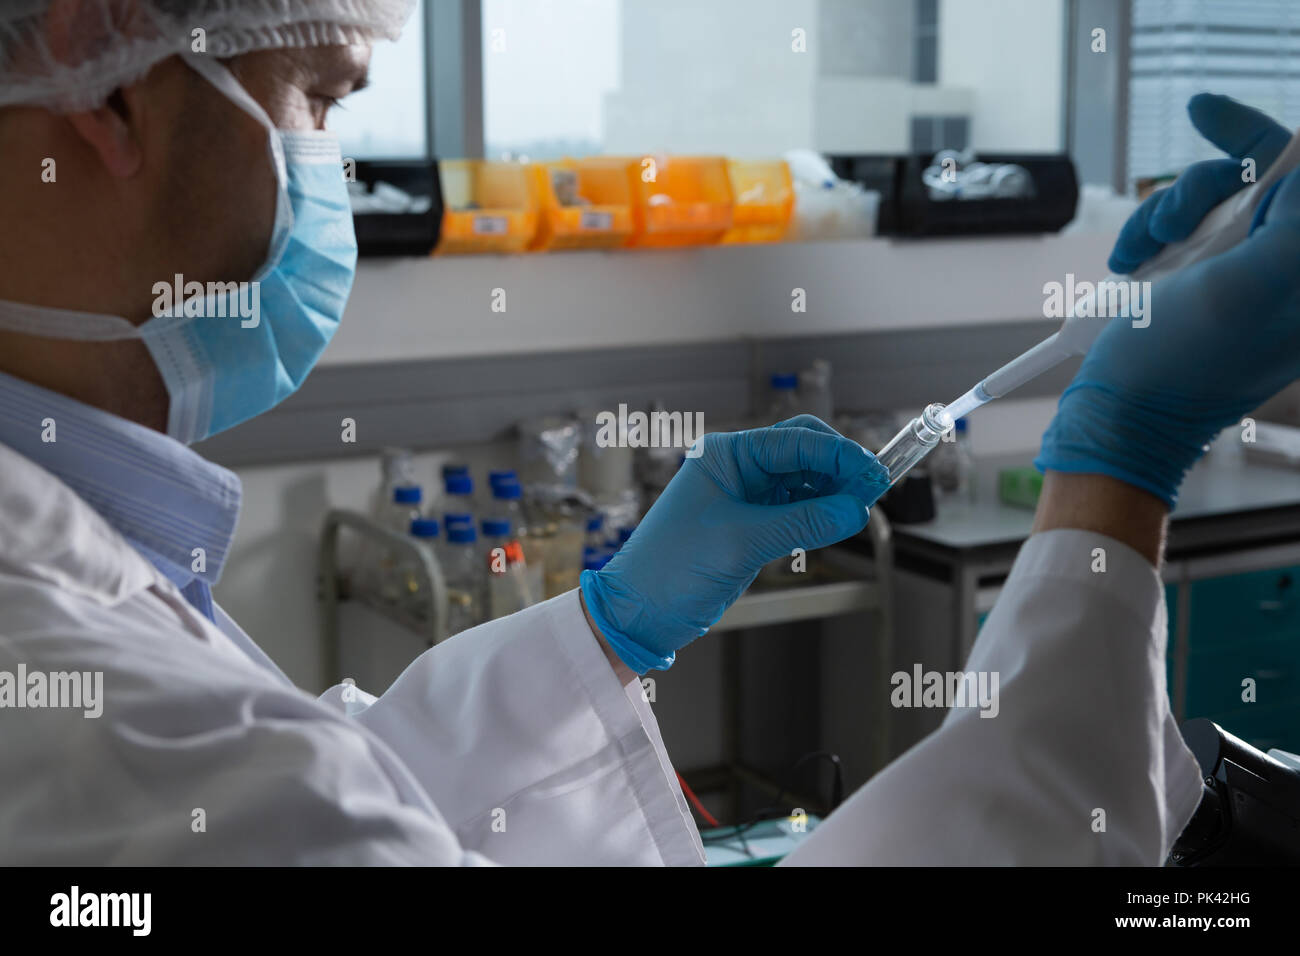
<point x="1244" y="627"/>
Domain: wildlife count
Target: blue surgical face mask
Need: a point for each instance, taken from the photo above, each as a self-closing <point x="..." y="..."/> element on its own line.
<point x="227" y="353"/>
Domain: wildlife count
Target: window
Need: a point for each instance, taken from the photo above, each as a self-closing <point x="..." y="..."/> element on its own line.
<point x="750" y="78"/>
<point x="933" y="133"/>
<point x="1248" y="49"/>
<point x="388" y="119"/>
<point x="927" y="41"/>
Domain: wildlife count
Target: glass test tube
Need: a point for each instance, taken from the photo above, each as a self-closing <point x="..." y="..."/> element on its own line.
<point x="917" y="439"/>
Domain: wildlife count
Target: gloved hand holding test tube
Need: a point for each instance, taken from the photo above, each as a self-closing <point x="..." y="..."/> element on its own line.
<point x="1228" y="224"/>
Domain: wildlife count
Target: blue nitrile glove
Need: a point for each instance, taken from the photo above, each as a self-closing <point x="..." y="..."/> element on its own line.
<point x="1172" y="214"/>
<point x="1224" y="334"/>
<point x="749" y="498"/>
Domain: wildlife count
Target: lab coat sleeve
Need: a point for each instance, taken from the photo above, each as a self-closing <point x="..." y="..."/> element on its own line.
<point x="1083" y="762"/>
<point x="531" y="749"/>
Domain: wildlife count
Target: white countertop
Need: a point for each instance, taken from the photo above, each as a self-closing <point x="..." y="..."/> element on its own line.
<point x="1213" y="488"/>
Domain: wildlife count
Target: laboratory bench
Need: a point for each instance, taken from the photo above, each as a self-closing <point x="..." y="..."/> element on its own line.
<point x="1232" y="586"/>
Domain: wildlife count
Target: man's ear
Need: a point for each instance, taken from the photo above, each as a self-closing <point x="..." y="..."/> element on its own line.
<point x="107" y="131"/>
<point x="72" y="33"/>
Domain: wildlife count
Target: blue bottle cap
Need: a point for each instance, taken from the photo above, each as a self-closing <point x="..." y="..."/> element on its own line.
<point x="593" y="559"/>
<point x="596" y="522"/>
<point x="961" y="426"/>
<point x="453" y="469"/>
<point x="454" y="517"/>
<point x="505" y="475"/>
<point x="407" y="495"/>
<point x="496" y="527"/>
<point x="459" y="484"/>
<point x="424" y="527"/>
<point x="507" y="490"/>
<point x="461" y="534"/>
<point x="624" y="534"/>
<point x="785" y="381"/>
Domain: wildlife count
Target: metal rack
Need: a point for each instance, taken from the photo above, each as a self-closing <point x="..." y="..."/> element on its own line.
<point x="333" y="587"/>
<point x="860" y="584"/>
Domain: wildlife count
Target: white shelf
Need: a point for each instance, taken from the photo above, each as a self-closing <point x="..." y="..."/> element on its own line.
<point x="421" y="308"/>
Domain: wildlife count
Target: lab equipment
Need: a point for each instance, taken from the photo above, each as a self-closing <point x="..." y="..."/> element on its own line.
<point x="663" y="589"/>
<point x="412" y="592"/>
<point x="1223" y="228"/>
<point x="827" y="206"/>
<point x="1020" y="487"/>
<point x="458" y="498"/>
<point x="548" y="453"/>
<point x="815" y="396"/>
<point x="466" y="579"/>
<point x="1224" y="338"/>
<point x="584" y="203"/>
<point x="509" y="584"/>
<point x="914" y="441"/>
<point x="1249" y="814"/>
<point x="399" y="517"/>
<point x="764" y="200"/>
<point x="957" y="175"/>
<point x="396" y="207"/>
<point x="783" y="399"/>
<point x="910" y="207"/>
<point x="489" y="206"/>
<point x="951" y="465"/>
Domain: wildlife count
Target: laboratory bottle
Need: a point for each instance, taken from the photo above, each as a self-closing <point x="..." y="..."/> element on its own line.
<point x="508" y="586"/>
<point x="401" y="511"/>
<point x="783" y="401"/>
<point x="416" y="594"/>
<point x="507" y="506"/>
<point x="815" y="391"/>
<point x="965" y="461"/>
<point x="458" y="497"/>
<point x="950" y="465"/>
<point x="465" y="575"/>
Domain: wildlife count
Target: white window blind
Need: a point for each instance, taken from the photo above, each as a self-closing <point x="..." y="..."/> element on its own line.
<point x="1248" y="49"/>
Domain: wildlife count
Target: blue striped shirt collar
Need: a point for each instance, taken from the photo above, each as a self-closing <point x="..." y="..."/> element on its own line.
<point x="178" y="509"/>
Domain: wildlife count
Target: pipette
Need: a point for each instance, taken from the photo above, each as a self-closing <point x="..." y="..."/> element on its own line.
<point x="1225" y="226"/>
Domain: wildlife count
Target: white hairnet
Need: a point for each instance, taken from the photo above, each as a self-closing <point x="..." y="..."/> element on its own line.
<point x="71" y="55"/>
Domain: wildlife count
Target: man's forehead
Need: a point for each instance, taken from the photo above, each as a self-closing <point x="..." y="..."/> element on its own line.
<point x="336" y="63"/>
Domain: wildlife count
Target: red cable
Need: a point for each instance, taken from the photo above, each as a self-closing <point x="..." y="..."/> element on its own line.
<point x="695" y="801"/>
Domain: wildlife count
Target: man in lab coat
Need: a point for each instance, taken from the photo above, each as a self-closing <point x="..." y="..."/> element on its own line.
<point x="143" y="726"/>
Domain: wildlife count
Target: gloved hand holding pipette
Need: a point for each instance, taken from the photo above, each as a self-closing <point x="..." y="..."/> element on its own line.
<point x="748" y="499"/>
<point x="1224" y="334"/>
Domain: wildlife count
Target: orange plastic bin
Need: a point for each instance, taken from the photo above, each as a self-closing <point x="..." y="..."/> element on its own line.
<point x="680" y="200"/>
<point x="584" y="204"/>
<point x="763" y="195"/>
<point x="487" y="206"/>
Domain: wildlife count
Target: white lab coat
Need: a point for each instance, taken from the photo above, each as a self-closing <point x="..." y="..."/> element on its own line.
<point x="515" y="743"/>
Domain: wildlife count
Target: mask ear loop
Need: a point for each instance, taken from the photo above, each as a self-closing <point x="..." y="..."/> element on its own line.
<point x="220" y="77"/>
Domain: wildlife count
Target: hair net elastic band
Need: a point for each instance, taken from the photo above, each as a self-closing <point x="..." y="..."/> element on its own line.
<point x="47" y="61"/>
